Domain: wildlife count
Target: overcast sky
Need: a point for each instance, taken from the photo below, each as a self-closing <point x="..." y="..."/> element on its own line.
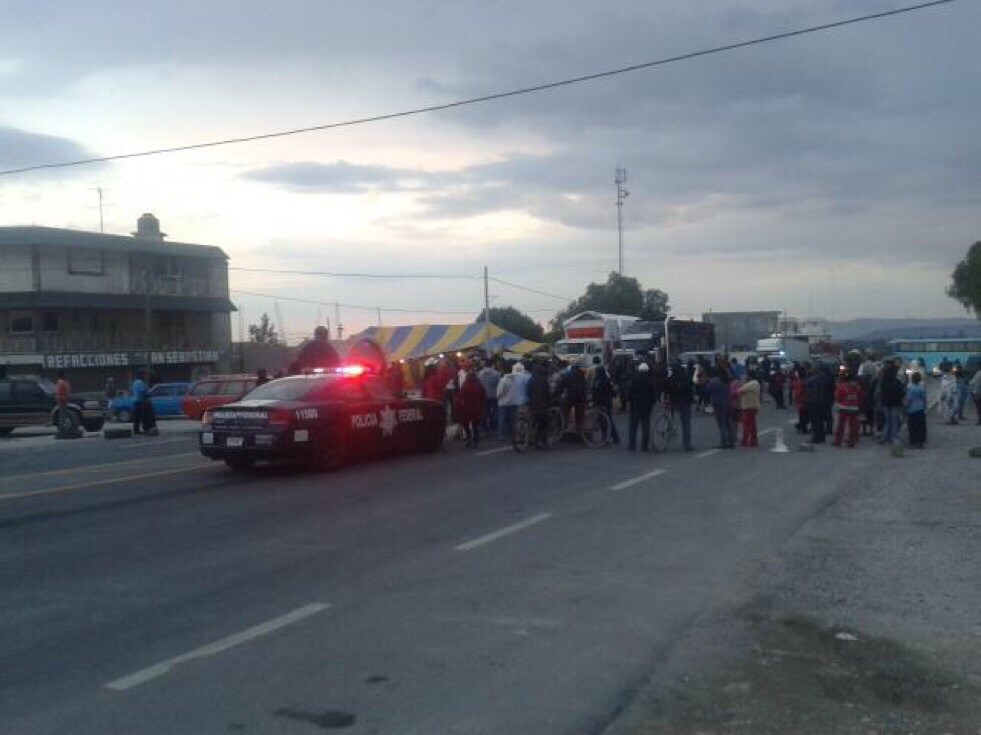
<point x="836" y="174"/>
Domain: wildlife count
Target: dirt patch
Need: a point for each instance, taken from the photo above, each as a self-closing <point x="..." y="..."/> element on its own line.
<point x="799" y="677"/>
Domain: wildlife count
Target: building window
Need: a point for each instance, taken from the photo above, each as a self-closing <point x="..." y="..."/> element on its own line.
<point x="49" y="321"/>
<point x="21" y="322"/>
<point x="86" y="262"/>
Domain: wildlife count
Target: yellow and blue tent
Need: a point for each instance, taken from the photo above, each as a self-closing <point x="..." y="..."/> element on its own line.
<point x="424" y="340"/>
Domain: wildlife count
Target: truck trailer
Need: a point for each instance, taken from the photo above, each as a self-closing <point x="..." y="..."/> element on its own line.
<point x="591" y="334"/>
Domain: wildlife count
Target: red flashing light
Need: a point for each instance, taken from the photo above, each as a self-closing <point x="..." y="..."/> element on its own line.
<point x="353" y="370"/>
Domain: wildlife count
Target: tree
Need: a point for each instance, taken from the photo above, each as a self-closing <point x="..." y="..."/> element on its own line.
<point x="517" y="322"/>
<point x="619" y="295"/>
<point x="965" y="281"/>
<point x="264" y="332"/>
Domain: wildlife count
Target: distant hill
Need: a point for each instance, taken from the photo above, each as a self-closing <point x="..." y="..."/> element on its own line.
<point x="879" y="330"/>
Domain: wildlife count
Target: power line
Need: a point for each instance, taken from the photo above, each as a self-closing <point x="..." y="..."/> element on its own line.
<point x="484" y="98"/>
<point x="530" y="290"/>
<point x="350" y="306"/>
<point x="448" y="276"/>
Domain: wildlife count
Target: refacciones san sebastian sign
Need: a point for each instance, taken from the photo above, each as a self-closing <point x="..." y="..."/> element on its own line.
<point x="71" y="360"/>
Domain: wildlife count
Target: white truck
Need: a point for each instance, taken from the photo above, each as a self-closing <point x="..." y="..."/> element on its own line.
<point x="590" y="334"/>
<point x="784" y="350"/>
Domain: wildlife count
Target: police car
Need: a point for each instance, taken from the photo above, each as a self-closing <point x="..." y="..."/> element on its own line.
<point x="323" y="419"/>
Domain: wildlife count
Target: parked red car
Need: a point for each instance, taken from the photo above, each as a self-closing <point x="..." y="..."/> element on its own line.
<point x="214" y="391"/>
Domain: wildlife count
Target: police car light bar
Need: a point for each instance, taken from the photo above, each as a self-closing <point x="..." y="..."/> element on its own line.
<point x="353" y="370"/>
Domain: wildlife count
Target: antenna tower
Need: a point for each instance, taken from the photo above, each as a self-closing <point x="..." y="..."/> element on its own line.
<point x="622" y="194"/>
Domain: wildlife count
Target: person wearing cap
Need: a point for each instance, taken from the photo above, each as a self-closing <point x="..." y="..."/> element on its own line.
<point x="848" y="397"/>
<point x="641" y="398"/>
<point x="317" y="353"/>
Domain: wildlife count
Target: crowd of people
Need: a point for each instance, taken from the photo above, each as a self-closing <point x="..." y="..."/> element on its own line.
<point x="873" y="399"/>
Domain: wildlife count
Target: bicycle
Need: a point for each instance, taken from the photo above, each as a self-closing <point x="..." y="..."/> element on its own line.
<point x="595" y="429"/>
<point x="663" y="430"/>
<point x="524" y="435"/>
<point x="556" y="424"/>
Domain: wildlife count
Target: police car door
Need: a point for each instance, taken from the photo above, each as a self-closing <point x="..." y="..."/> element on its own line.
<point x="394" y="435"/>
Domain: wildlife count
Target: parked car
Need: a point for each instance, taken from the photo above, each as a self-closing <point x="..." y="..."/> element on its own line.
<point x="214" y="391"/>
<point x="30" y="401"/>
<point x="165" y="397"/>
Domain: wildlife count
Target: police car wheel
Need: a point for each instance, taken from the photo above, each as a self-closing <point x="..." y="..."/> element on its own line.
<point x="334" y="453"/>
<point x="240" y="464"/>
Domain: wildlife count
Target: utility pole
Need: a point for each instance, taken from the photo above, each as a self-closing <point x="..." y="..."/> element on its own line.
<point x="379" y="312"/>
<point x="337" y="320"/>
<point x="147" y="320"/>
<point x="622" y="194"/>
<point x="101" y="224"/>
<point x="486" y="316"/>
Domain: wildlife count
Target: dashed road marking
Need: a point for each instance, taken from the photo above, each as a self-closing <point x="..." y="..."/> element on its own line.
<point x="635" y="480"/>
<point x="768" y="431"/>
<point x="152" y="672"/>
<point x="707" y="453"/>
<point x="491" y="451"/>
<point x="506" y="531"/>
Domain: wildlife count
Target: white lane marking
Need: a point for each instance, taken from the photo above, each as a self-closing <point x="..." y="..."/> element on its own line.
<point x="707" y="453"/>
<point x="97" y="467"/>
<point x="635" y="480"/>
<point x="491" y="451"/>
<point x="768" y="431"/>
<point x="150" y="443"/>
<point x="504" y="532"/>
<point x="95" y="483"/>
<point x="792" y="422"/>
<point x="152" y="672"/>
<point x="779" y="445"/>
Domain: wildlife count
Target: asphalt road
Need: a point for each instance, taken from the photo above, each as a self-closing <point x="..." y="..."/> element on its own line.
<point x="147" y="590"/>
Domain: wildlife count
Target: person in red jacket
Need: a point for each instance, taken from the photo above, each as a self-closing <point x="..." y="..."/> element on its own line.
<point x="469" y="406"/>
<point x="848" y="396"/>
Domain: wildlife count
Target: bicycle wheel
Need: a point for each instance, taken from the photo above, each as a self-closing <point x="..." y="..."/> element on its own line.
<point x="556" y="424"/>
<point x="661" y="432"/>
<point x="595" y="429"/>
<point x="521" y="436"/>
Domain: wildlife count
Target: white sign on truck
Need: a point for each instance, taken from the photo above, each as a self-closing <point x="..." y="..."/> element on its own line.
<point x="590" y="334"/>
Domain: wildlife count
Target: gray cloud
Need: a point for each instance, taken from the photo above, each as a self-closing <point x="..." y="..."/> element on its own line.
<point x="339" y="177"/>
<point x="24" y="148"/>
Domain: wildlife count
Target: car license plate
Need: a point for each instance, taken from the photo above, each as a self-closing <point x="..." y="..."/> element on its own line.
<point x="207" y="437"/>
<point x="235" y="441"/>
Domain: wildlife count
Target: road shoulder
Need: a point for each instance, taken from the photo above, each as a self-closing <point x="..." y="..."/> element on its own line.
<point x="866" y="622"/>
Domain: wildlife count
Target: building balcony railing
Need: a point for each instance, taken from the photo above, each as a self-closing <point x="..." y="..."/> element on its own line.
<point x="174" y="286"/>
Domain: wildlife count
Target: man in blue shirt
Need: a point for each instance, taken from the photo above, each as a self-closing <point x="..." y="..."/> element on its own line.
<point x="916" y="404"/>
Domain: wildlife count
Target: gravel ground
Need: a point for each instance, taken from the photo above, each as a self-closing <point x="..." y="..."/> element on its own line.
<point x="868" y="623"/>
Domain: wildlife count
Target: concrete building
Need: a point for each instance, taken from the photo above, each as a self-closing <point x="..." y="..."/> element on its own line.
<point x="737" y="331"/>
<point x="101" y="305"/>
<point x="814" y="328"/>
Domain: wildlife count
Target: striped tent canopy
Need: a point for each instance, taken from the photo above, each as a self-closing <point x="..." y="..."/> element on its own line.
<point x="424" y="340"/>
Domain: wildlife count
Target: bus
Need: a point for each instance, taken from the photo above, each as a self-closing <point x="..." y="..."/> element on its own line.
<point x="931" y="352"/>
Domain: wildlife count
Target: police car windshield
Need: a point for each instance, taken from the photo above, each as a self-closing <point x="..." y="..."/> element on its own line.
<point x="290" y="389"/>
